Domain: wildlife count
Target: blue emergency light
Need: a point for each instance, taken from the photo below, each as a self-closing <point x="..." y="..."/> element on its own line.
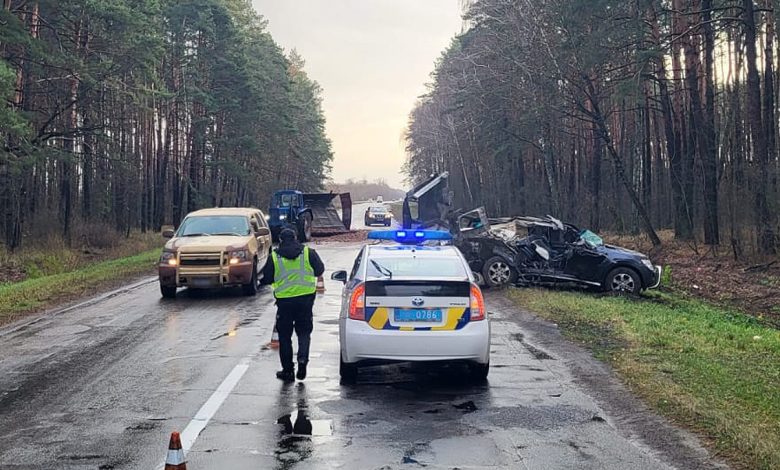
<point x="410" y="236"/>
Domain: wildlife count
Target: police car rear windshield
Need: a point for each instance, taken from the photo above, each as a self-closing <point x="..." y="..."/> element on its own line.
<point x="409" y="266"/>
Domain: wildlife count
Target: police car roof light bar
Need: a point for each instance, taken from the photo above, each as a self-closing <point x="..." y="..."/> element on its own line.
<point x="409" y="236"/>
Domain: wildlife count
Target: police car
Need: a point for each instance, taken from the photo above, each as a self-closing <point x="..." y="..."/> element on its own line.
<point x="413" y="299"/>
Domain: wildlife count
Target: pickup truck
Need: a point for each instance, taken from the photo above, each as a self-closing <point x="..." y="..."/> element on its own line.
<point x="219" y="247"/>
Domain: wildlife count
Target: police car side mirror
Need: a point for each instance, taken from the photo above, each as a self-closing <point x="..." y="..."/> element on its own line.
<point x="339" y="276"/>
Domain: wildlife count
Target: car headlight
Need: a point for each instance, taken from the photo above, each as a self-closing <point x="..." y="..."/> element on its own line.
<point x="282" y="216"/>
<point x="648" y="264"/>
<point x="238" y="256"/>
<point x="169" y="258"/>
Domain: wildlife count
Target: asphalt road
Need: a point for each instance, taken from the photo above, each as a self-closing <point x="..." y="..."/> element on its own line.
<point x="102" y="385"/>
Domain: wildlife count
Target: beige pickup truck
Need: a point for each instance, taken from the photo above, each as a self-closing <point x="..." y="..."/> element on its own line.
<point x="220" y="247"/>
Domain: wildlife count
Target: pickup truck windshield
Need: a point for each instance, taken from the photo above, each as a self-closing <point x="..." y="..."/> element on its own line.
<point x="207" y="225"/>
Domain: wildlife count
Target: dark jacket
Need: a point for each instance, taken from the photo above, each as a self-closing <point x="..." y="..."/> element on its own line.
<point x="292" y="250"/>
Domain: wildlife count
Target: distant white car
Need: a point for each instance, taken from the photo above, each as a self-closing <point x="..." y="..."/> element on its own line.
<point x="412" y="302"/>
<point x="379" y="199"/>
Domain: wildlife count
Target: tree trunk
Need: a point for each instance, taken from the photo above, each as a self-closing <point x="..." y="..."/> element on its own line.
<point x="708" y="142"/>
<point x="766" y="237"/>
<point x="683" y="225"/>
<point x="620" y="171"/>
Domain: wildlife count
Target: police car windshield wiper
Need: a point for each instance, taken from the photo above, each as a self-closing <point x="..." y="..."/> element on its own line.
<point x="382" y="269"/>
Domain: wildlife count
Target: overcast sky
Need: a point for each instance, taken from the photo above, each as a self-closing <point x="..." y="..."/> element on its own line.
<point x="372" y="58"/>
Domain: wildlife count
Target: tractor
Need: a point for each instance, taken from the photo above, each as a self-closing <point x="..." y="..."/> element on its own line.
<point x="309" y="214"/>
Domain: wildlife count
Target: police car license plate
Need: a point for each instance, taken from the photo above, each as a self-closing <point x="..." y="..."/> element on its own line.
<point x="418" y="314"/>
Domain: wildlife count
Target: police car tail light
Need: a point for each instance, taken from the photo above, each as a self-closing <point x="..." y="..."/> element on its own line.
<point x="357" y="303"/>
<point x="477" y="303"/>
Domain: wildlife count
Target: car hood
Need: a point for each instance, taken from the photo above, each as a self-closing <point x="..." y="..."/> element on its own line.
<point x="194" y="244"/>
<point x="618" y="252"/>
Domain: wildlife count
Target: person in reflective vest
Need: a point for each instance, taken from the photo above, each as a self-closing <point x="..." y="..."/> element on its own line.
<point x="292" y="270"/>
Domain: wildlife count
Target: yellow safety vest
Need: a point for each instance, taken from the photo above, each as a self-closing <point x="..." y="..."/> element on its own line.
<point x="293" y="277"/>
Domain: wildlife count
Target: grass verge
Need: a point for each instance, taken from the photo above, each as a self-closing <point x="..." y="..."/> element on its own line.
<point x="41" y="292"/>
<point x="715" y="371"/>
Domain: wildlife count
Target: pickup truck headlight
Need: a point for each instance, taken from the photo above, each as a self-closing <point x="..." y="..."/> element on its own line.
<point x="238" y="256"/>
<point x="282" y="216"/>
<point x="169" y="258"/>
<point x="648" y="264"/>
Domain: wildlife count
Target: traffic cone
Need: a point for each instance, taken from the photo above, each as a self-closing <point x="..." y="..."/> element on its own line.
<point x="274" y="344"/>
<point x="175" y="459"/>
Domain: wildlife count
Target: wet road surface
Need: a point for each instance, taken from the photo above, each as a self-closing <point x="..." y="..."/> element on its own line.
<point x="101" y="386"/>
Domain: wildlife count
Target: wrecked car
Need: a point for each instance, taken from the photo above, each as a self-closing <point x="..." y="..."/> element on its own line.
<point x="549" y="252"/>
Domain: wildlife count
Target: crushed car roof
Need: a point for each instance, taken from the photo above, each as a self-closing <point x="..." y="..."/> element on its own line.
<point x="528" y="221"/>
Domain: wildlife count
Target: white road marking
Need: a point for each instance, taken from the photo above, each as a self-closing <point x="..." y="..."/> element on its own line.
<point x="207" y="411"/>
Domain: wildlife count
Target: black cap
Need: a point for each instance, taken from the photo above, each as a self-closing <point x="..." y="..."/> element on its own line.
<point x="287" y="235"/>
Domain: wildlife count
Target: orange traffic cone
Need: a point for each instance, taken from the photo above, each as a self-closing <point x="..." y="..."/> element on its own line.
<point x="175" y="459"/>
<point x="274" y="344"/>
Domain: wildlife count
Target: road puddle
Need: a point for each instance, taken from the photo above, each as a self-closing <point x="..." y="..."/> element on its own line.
<point x="295" y="440"/>
<point x="298" y="424"/>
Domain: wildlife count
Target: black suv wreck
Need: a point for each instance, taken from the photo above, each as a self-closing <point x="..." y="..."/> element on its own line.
<point x="550" y="252"/>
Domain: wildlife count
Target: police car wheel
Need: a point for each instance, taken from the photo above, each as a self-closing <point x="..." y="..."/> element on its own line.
<point x="348" y="372"/>
<point x="479" y="372"/>
<point x="251" y="288"/>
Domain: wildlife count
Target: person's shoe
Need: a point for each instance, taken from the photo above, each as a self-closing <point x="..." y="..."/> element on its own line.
<point x="286" y="375"/>
<point x="301" y="371"/>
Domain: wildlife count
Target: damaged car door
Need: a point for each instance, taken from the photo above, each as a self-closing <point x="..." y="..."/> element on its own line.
<point x="586" y="262"/>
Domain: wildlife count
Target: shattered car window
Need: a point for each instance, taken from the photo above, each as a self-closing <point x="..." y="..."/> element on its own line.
<point x="470" y="222"/>
<point x="591" y="238"/>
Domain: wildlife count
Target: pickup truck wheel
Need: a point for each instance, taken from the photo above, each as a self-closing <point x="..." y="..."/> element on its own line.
<point x="497" y="272"/>
<point x="348" y="372"/>
<point x="251" y="288"/>
<point x="168" y="292"/>
<point x="623" y="281"/>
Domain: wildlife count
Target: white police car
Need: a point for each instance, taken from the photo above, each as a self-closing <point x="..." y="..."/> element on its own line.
<point x="412" y="301"/>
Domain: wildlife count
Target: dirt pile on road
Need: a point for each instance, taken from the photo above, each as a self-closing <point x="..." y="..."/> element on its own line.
<point x="352" y="236"/>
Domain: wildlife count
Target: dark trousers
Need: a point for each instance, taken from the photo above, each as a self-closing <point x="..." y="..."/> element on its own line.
<point x="294" y="314"/>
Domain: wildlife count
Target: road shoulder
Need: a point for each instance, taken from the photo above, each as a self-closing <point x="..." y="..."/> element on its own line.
<point x="627" y="413"/>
